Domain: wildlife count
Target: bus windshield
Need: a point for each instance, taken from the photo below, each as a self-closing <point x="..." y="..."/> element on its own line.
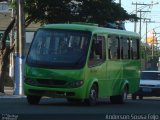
<point x="52" y="48"/>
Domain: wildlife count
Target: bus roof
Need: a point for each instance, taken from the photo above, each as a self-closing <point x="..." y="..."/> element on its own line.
<point x="90" y="27"/>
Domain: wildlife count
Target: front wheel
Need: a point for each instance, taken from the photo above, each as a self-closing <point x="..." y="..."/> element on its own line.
<point x="33" y="100"/>
<point x="93" y="95"/>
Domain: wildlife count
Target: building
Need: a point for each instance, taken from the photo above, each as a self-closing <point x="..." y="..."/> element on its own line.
<point x="5" y="19"/>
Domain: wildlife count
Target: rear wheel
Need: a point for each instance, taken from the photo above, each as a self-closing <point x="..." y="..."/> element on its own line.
<point x="120" y="99"/>
<point x="93" y="95"/>
<point x="33" y="100"/>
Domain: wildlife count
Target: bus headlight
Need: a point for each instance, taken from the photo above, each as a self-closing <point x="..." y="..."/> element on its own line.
<point x="75" y="84"/>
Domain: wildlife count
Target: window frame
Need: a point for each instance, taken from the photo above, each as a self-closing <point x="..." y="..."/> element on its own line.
<point x="120" y="53"/>
<point x="96" y="62"/>
<point x="137" y="56"/>
<point x="113" y="37"/>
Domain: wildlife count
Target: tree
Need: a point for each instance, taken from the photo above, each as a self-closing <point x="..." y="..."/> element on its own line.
<point x="4" y="53"/>
<point x="101" y="11"/>
<point x="47" y="11"/>
<point x="60" y="11"/>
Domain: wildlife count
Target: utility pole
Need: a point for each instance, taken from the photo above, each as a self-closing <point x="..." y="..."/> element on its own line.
<point x="140" y="4"/>
<point x="135" y="22"/>
<point x="145" y="59"/>
<point x="11" y="64"/>
<point x="153" y="44"/>
<point x="141" y="21"/>
<point x="120" y="2"/>
<point x="147" y="20"/>
<point x="20" y="49"/>
<point x="154" y="37"/>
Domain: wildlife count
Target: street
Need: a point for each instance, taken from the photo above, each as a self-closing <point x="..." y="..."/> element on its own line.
<point x="17" y="108"/>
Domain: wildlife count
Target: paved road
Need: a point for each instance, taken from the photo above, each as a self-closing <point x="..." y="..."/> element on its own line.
<point x="58" y="109"/>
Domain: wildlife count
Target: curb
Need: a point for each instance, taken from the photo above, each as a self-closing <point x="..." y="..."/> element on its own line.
<point x="8" y="93"/>
<point x="11" y="96"/>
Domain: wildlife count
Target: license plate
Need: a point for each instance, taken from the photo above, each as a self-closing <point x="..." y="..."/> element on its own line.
<point x="146" y="89"/>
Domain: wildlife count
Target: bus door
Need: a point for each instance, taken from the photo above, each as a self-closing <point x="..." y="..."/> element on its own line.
<point x="97" y="62"/>
<point x="114" y="64"/>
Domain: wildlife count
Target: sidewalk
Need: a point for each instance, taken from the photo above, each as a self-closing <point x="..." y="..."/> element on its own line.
<point x="8" y="93"/>
<point x="8" y="90"/>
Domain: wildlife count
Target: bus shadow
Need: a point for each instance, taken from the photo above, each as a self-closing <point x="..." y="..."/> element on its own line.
<point x="64" y="102"/>
<point x="100" y="103"/>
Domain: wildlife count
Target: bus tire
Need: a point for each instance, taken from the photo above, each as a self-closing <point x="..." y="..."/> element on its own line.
<point x="33" y="100"/>
<point x="93" y="96"/>
<point x="120" y="99"/>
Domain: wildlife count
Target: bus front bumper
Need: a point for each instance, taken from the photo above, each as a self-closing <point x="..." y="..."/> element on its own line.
<point x="77" y="93"/>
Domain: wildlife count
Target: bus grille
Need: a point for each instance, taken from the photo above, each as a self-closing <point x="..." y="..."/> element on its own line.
<point x="46" y="82"/>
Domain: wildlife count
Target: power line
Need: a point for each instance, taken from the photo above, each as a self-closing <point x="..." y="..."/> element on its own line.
<point x="143" y="5"/>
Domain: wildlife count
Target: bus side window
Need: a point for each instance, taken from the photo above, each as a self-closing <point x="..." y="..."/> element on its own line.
<point x="134" y="49"/>
<point x="125" y="48"/>
<point x="98" y="48"/>
<point x="97" y="53"/>
<point x="134" y="43"/>
<point x="113" y="48"/>
<point x="109" y="47"/>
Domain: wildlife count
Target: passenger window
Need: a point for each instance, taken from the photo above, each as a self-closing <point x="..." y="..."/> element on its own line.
<point x="134" y="49"/>
<point x="98" y="51"/>
<point x="113" y="48"/>
<point x="125" y="48"/>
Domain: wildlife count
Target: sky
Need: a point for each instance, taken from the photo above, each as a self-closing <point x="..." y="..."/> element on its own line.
<point x="154" y="15"/>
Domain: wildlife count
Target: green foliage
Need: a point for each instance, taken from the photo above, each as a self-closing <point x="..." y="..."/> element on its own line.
<point x="47" y="11"/>
<point x="146" y="55"/>
<point x="61" y="11"/>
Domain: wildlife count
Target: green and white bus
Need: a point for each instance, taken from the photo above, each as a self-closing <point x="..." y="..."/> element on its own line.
<point x="82" y="62"/>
